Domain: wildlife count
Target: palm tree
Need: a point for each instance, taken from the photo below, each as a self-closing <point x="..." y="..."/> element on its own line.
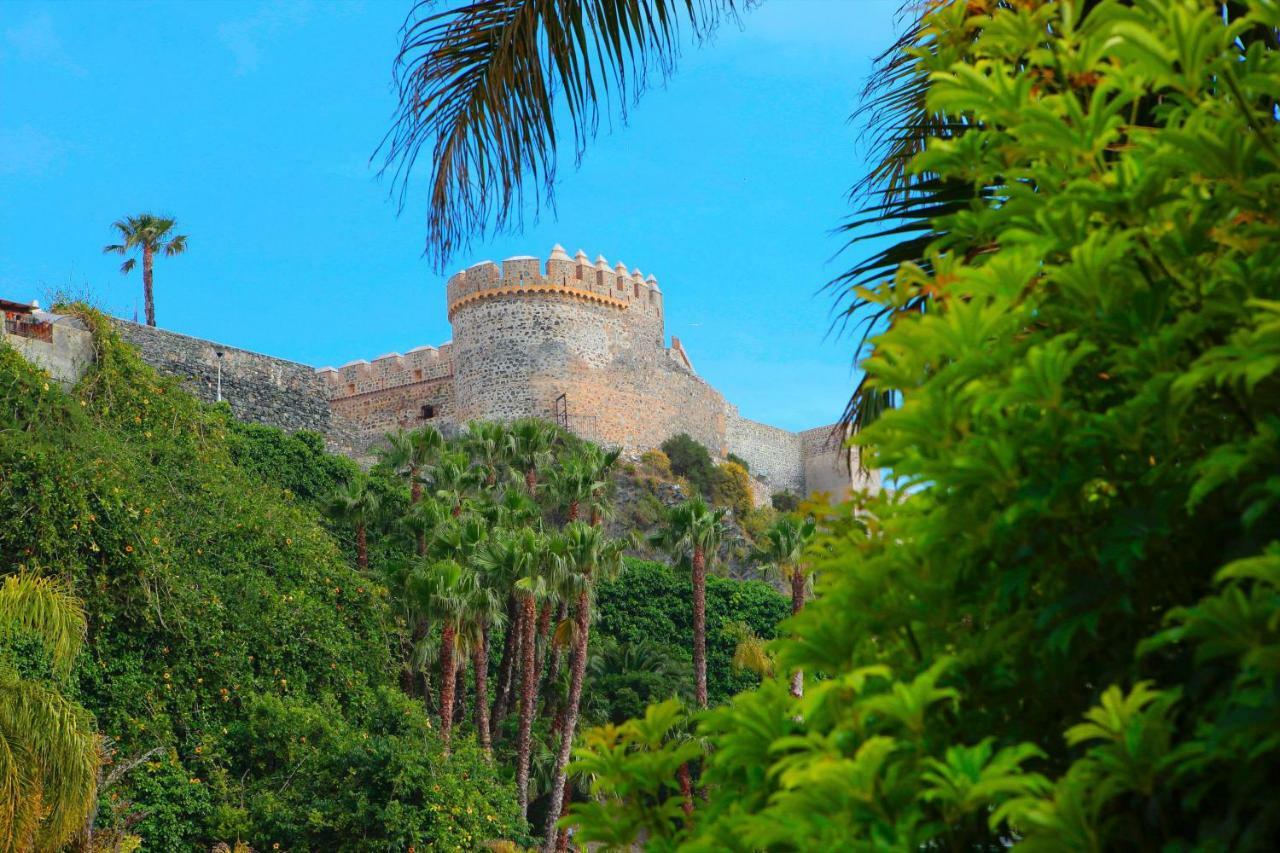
<point x="452" y="480"/>
<point x="482" y="609"/>
<point x="529" y="442"/>
<point x="486" y="442"/>
<point x="582" y="478"/>
<point x="587" y="556"/>
<point x="782" y="550"/>
<point x="356" y="503"/>
<point x="512" y="511"/>
<point x="443" y="588"/>
<point x="520" y="557"/>
<point x="152" y="234"/>
<point x="50" y="757"/>
<point x="694" y="530"/>
<point x="408" y="453"/>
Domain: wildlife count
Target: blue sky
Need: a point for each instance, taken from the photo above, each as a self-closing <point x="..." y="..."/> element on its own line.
<point x="253" y="124"/>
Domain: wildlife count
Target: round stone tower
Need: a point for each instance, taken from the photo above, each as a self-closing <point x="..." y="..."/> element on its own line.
<point x="572" y="340"/>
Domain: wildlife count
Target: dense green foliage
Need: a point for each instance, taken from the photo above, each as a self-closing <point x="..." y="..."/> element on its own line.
<point x="296" y="462"/>
<point x="1064" y="631"/>
<point x="648" y="603"/>
<point x="690" y="460"/>
<point x="226" y="629"/>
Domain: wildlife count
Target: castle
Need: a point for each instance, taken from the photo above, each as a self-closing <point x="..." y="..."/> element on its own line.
<point x="570" y="340"/>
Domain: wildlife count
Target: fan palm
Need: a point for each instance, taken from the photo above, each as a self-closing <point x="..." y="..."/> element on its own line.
<point x="151" y="235"/>
<point x="587" y="556"/>
<point x="781" y="550"/>
<point x="486" y="442"/>
<point x="357" y="504"/>
<point x="408" y="453"/>
<point x="529" y="442"/>
<point x="519" y="556"/>
<point x="443" y="589"/>
<point x="482" y="610"/>
<point x="49" y="754"/>
<point x="693" y="531"/>
<point x="452" y="480"/>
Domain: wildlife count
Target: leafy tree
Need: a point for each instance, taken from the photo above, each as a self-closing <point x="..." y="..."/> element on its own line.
<point x="296" y="462"/>
<point x="152" y="235"/>
<point x="781" y="550"/>
<point x="693" y="531"/>
<point x="691" y="460"/>
<point x="529" y="442"/>
<point x="49" y="763"/>
<point x="1062" y="633"/>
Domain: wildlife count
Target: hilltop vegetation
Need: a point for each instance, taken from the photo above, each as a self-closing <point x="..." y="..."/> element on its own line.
<point x="229" y="642"/>
<point x="251" y="681"/>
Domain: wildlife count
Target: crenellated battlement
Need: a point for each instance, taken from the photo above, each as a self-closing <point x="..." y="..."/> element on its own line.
<point x="418" y="365"/>
<point x="561" y="276"/>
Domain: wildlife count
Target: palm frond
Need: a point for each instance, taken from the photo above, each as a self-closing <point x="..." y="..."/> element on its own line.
<point x="479" y="86"/>
<point x="45" y="607"/>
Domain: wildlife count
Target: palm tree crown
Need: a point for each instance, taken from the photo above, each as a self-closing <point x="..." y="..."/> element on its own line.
<point x="50" y="760"/>
<point x="151" y="235"/>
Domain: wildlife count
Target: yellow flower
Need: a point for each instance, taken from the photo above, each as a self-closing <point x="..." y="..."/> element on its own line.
<point x="155" y="540"/>
<point x="128" y="549"/>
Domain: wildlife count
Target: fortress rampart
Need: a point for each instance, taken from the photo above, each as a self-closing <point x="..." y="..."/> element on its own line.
<point x="578" y="342"/>
<point x="573" y="340"/>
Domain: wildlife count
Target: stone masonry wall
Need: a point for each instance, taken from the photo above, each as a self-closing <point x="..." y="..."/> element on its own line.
<point x="259" y="388"/>
<point x="774" y="454"/>
<point x="830" y="467"/>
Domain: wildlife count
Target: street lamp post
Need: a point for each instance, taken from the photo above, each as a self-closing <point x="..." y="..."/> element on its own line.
<point x="219" y="354"/>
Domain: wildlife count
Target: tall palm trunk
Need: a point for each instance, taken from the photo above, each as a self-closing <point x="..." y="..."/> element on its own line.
<point x="415" y="495"/>
<point x="562" y="836"/>
<point x="531" y="481"/>
<point x="797" y="604"/>
<point x="148" y="295"/>
<point x="573" y="510"/>
<point x="544" y="635"/>
<point x="700" y="625"/>
<point x="480" y="663"/>
<point x="554" y="672"/>
<point x="578" y="670"/>
<point x="528" y="688"/>
<point x="686" y="791"/>
<point x="448" y="681"/>
<point x="502" y="701"/>
<point x="460" y="691"/>
<point x="362" y="545"/>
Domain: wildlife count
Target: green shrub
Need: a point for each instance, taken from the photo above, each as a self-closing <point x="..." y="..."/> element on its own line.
<point x="657" y="462"/>
<point x="731" y="487"/>
<point x="690" y="460"/>
<point x="757" y="520"/>
<point x="785" y="501"/>
<point x="738" y="460"/>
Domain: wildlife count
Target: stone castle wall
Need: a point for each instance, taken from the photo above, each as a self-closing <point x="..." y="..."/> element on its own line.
<point x="259" y="388"/>
<point x="775" y="454"/>
<point x="574" y="340"/>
